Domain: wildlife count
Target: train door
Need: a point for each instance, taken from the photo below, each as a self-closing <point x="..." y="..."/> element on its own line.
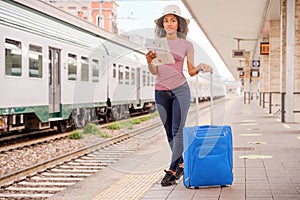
<point x="54" y="80"/>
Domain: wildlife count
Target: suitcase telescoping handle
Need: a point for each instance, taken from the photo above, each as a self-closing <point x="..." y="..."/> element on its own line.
<point x="211" y="98"/>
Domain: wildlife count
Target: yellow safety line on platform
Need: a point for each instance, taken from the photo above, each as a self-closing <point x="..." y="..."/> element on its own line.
<point x="132" y="186"/>
<point x="136" y="184"/>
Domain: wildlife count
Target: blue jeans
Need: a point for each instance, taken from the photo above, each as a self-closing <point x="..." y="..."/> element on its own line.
<point x="173" y="106"/>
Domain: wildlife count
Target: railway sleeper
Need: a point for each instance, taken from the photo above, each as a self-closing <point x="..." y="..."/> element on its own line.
<point x="109" y="161"/>
<point x="76" y="164"/>
<point x="75" y="171"/>
<point x="35" y="189"/>
<point x="45" y="184"/>
<point x="104" y="157"/>
<point x="24" y="196"/>
<point x="32" y="190"/>
<point x="107" y="156"/>
<point x="55" y="179"/>
<point x="72" y="175"/>
<point x="80" y="167"/>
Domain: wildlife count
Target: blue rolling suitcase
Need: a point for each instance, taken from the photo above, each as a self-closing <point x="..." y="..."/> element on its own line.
<point x="207" y="155"/>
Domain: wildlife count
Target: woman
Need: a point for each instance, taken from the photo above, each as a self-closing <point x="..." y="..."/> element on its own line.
<point x="172" y="93"/>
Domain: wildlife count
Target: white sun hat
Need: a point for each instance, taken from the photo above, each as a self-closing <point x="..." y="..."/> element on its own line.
<point x="172" y="9"/>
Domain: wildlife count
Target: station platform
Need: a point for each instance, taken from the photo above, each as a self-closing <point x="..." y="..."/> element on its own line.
<point x="266" y="163"/>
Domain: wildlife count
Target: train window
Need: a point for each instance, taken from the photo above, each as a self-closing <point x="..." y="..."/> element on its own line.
<point x="127" y="75"/>
<point x="95" y="70"/>
<point x="72" y="67"/>
<point x="148" y="78"/>
<point x="121" y="74"/>
<point x="35" y="61"/>
<point x="144" y="78"/>
<point x="84" y="69"/>
<point x="114" y="70"/>
<point x="132" y="76"/>
<point x="13" y="57"/>
<point x="152" y="80"/>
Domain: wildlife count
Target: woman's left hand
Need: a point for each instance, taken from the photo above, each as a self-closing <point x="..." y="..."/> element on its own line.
<point x="204" y="68"/>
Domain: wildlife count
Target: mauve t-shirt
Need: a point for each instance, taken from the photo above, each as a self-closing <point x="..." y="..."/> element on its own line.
<point x="171" y="76"/>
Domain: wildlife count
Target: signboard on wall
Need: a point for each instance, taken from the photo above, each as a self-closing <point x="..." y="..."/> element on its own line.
<point x="264" y="48"/>
<point x="255" y="63"/>
<point x="254" y="73"/>
<point x="240" y="53"/>
<point x="241" y="74"/>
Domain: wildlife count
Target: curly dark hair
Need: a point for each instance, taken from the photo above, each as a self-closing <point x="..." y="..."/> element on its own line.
<point x="181" y="31"/>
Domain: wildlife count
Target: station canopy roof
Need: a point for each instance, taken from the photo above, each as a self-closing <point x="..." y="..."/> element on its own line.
<point x="232" y="23"/>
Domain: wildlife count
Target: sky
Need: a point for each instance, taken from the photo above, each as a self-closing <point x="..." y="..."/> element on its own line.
<point x="137" y="16"/>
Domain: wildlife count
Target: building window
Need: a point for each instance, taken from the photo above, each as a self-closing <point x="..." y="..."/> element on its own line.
<point x="13" y="58"/>
<point x="35" y="61"/>
<point x="72" y="67"/>
<point x="100" y="21"/>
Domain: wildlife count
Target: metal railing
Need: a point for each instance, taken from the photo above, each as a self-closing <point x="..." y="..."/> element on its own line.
<point x="262" y="102"/>
<point x="245" y="97"/>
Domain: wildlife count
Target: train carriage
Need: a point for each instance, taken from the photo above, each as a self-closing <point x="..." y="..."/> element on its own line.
<point x="61" y="71"/>
<point x="59" y="74"/>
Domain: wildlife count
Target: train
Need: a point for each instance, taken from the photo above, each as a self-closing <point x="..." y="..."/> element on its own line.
<point x="61" y="71"/>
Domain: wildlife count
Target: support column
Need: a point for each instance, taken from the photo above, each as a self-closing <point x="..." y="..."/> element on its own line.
<point x="247" y="75"/>
<point x="264" y="72"/>
<point x="290" y="56"/>
<point x="283" y="58"/>
<point x="297" y="63"/>
<point x="274" y="66"/>
<point x="254" y="87"/>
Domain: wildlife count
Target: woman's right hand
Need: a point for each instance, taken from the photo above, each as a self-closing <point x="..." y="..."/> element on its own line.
<point x="150" y="56"/>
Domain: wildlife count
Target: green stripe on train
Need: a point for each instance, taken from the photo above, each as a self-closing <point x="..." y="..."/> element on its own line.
<point x="42" y="112"/>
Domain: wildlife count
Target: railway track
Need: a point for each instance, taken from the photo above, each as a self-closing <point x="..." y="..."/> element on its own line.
<point x="44" y="179"/>
<point x="47" y="178"/>
<point x="17" y="141"/>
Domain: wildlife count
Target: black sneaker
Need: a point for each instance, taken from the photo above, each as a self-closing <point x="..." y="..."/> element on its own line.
<point x="179" y="172"/>
<point x="169" y="179"/>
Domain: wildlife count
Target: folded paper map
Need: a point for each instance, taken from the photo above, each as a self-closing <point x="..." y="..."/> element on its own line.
<point x="161" y="48"/>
